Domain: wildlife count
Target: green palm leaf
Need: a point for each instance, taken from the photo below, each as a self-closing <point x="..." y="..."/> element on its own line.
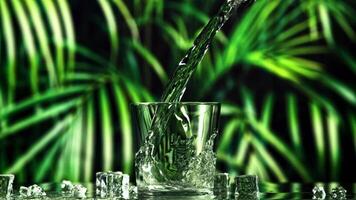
<point x="107" y="131"/>
<point x="56" y="29"/>
<point x="112" y="28"/>
<point x="125" y="125"/>
<point x="42" y="36"/>
<point x="30" y="45"/>
<point x="90" y="145"/>
<point x="70" y="42"/>
<point x="318" y="128"/>
<point x="11" y="50"/>
<point x="40" y="145"/>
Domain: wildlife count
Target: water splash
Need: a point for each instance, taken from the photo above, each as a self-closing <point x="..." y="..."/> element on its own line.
<point x="146" y="156"/>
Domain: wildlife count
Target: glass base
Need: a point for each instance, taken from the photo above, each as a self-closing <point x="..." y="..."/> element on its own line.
<point x="158" y="190"/>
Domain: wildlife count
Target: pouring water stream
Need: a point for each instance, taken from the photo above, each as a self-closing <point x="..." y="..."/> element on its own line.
<point x="145" y="157"/>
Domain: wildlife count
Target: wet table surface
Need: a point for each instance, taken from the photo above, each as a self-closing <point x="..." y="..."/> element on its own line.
<point x="267" y="191"/>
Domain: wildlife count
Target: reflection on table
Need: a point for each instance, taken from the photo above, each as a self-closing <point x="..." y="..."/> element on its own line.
<point x="267" y="191"/>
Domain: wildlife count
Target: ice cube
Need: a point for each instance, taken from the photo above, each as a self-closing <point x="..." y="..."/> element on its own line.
<point x="34" y="191"/>
<point x="319" y="192"/>
<point x="101" y="188"/>
<point x="6" y="181"/>
<point x="221" y="184"/>
<point x="232" y="189"/>
<point x="24" y="191"/>
<point x="221" y="180"/>
<point x="125" y="186"/>
<point x="338" y="193"/>
<point x="67" y="188"/>
<point x="133" y="194"/>
<point x="79" y="191"/>
<point x="112" y="184"/>
<point x="246" y="185"/>
<point x="121" y="184"/>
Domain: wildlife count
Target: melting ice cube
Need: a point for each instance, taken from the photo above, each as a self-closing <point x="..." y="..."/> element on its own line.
<point x="247" y="187"/>
<point x="133" y="192"/>
<point x="68" y="189"/>
<point x="112" y="184"/>
<point x="100" y="184"/>
<point x="221" y="184"/>
<point x="6" y="181"/>
<point x="232" y="187"/>
<point x="338" y="193"/>
<point x="33" y="191"/>
<point x="319" y="193"/>
<point x="79" y="191"/>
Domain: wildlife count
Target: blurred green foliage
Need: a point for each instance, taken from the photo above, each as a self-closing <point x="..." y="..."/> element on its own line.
<point x="283" y="69"/>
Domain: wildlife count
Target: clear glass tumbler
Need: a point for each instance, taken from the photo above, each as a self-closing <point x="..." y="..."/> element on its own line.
<point x="178" y="158"/>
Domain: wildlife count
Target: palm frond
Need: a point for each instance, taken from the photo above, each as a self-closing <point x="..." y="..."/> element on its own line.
<point x="11" y="50"/>
<point x="30" y="46"/>
<point x="39" y="117"/>
<point x="70" y="41"/>
<point x="318" y="130"/>
<point x="125" y="125"/>
<point x="326" y="11"/>
<point x="112" y="28"/>
<point x="41" y="34"/>
<point x="157" y="67"/>
<point x="89" y="147"/>
<point x="294" y="129"/>
<point x="58" y="39"/>
<point x="40" y="145"/>
<point x="130" y="21"/>
<point x="107" y="137"/>
<point x="253" y="125"/>
<point x="334" y="139"/>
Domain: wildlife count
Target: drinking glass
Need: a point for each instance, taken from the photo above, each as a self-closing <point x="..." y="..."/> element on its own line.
<point x="178" y="158"/>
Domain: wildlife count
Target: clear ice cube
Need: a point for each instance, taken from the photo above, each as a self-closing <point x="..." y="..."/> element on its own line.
<point x="101" y="184"/>
<point x="112" y="184"/>
<point x="24" y="191"/>
<point x="338" y="193"/>
<point x="221" y="185"/>
<point x="34" y="191"/>
<point x="319" y="192"/>
<point x="79" y="191"/>
<point x="6" y="181"/>
<point x="133" y="192"/>
<point x="221" y="181"/>
<point x="68" y="189"/>
<point x="246" y="185"/>
<point x="232" y="189"/>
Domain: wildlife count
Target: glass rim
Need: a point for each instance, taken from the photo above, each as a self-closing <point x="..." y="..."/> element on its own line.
<point x="189" y="103"/>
